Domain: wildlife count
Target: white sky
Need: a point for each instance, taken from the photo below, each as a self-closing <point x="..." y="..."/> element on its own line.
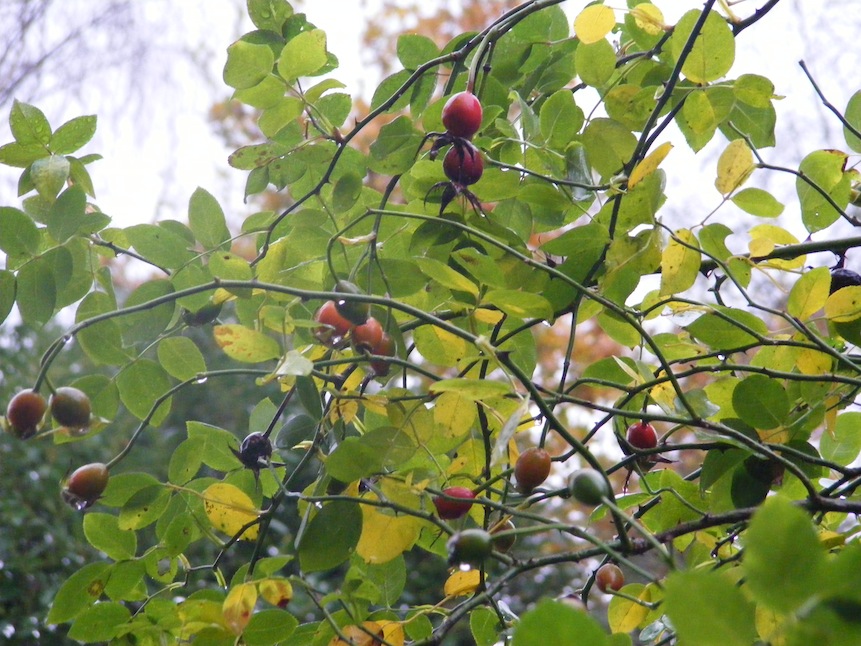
<point x="130" y="181"/>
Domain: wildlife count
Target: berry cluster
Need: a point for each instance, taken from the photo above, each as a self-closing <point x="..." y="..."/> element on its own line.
<point x="72" y="410"/>
<point x="463" y="163"/>
<point x="344" y="320"/>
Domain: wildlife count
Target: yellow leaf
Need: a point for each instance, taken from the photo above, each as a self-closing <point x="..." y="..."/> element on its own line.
<point x="229" y="508"/>
<point x="276" y="591"/>
<point x="844" y="305"/>
<point x="484" y="315"/>
<point x="813" y="362"/>
<point x="393" y="632"/>
<point x="680" y="263"/>
<point x="385" y="536"/>
<point x="831" y="539"/>
<point x="453" y="415"/>
<point x="238" y="606"/>
<point x="774" y="236"/>
<point x="462" y="583"/>
<point x="593" y="23"/>
<point x="664" y="396"/>
<point x="734" y="166"/>
<point x="769" y="625"/>
<point x="831" y="411"/>
<point x="246" y="345"/>
<point x="624" y="615"/>
<point x="364" y="635"/>
<point x="648" y="18"/>
<point x="649" y="164"/>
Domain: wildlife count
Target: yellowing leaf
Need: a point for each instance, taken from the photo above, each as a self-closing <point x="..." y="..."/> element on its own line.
<point x="229" y="508"/>
<point x="809" y="293"/>
<point x="593" y="23"/>
<point x="650" y="164"/>
<point x="768" y="233"/>
<point x="844" y="305"/>
<point x="813" y="362"/>
<point x="246" y="345"/>
<point x="238" y="606"/>
<point x="393" y="632"/>
<point x="734" y="166"/>
<point x="276" y="591"/>
<point x="625" y="615"/>
<point x="648" y="18"/>
<point x="462" y="583"/>
<point x="385" y="536"/>
<point x="680" y="263"/>
<point x="471" y="389"/>
<point x="453" y="414"/>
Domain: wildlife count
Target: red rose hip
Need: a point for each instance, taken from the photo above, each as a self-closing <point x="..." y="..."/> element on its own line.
<point x="462" y="114"/>
<point x="463" y="164"/>
<point x="642" y="435"/>
<point x="531" y="469"/>
<point x="452" y="509"/>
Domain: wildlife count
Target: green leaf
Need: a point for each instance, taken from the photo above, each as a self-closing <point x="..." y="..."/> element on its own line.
<point x="761" y="402"/>
<point x="206" y="220"/>
<point x="144" y="507"/>
<point x="853" y="116"/>
<point x="484" y="625"/>
<point x="21" y="155"/>
<point x="279" y="115"/>
<point x="140" y="384"/>
<point x="217" y="442"/>
<point x="67" y="214"/>
<point x="152" y="321"/>
<point x="269" y="14"/>
<point x="757" y="202"/>
<point x="552" y="622"/>
<point x="72" y="135"/>
<point x="784" y="560"/>
<point x="28" y="124"/>
<point x="713" y="240"/>
<point x="713" y="51"/>
<point x="414" y="50"/>
<point x="80" y="591"/>
<point x="160" y="245"/>
<point x="595" y="62"/>
<point x="7" y="293"/>
<point x="560" y="119"/>
<point x="268" y="627"/>
<point x="100" y="623"/>
<point x="357" y="457"/>
<point x="101" y="342"/>
<point x="727" y="330"/>
<point x="19" y="235"/>
<point x="331" y="536"/>
<point x="708" y="609"/>
<point x="843" y="444"/>
<point x="519" y="304"/>
<point x="386" y="90"/>
<point x="181" y="358"/>
<point x="754" y="90"/>
<point x="825" y="169"/>
<point x="37" y="292"/>
<point x="247" y="64"/>
<point x="441" y="273"/>
<point x="103" y="533"/>
<point x="49" y="175"/>
<point x="609" y="145"/>
<point x="303" y="55"/>
<point x="185" y="460"/>
<point x="395" y="149"/>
